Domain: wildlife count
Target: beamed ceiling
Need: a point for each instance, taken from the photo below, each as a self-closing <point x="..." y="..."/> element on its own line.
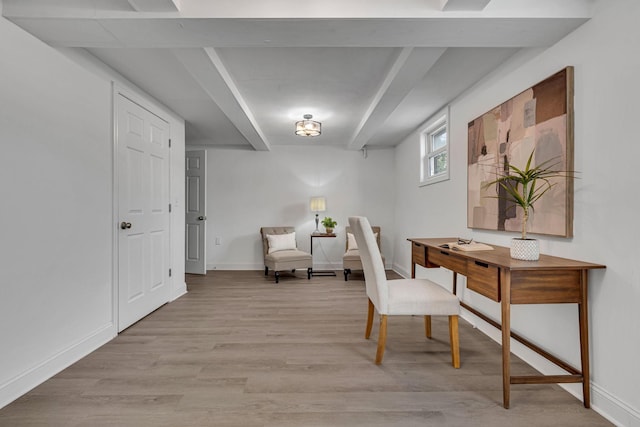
<point x="241" y="72"/>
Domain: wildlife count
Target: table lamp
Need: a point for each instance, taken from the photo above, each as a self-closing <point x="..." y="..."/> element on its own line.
<point x="318" y="204"/>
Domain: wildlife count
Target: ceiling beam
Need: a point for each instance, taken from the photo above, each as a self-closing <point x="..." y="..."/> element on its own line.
<point x="206" y="67"/>
<point x="409" y="68"/>
<point x="463" y="5"/>
<point x="137" y="32"/>
<point x="295" y="9"/>
<point x="155" y="5"/>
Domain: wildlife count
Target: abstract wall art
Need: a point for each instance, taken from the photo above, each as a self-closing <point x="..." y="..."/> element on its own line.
<point x="540" y="119"/>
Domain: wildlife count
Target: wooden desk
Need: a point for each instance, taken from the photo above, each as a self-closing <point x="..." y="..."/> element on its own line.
<point x="494" y="274"/>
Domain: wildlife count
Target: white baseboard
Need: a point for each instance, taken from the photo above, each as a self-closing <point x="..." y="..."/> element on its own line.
<point x="177" y="293"/>
<point x="613" y="409"/>
<point x="233" y="266"/>
<point x="324" y="266"/>
<point x="25" y="381"/>
<point x="328" y="266"/>
<point x="401" y="271"/>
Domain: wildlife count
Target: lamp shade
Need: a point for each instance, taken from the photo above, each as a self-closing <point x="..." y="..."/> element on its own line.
<point x="318" y="204"/>
<point x="308" y="127"/>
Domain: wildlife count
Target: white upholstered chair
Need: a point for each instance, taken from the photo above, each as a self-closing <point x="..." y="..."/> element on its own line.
<point x="281" y="252"/>
<point x="419" y="297"/>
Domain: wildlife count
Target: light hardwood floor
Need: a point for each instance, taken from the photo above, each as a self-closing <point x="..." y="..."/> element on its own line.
<point x="239" y="350"/>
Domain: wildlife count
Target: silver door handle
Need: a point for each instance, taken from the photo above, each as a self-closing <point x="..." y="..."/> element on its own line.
<point x="202" y="218"/>
<point x="125" y="225"/>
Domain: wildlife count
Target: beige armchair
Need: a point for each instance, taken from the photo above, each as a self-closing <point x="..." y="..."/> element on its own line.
<point x="351" y="258"/>
<point x="281" y="252"/>
<point x="401" y="297"/>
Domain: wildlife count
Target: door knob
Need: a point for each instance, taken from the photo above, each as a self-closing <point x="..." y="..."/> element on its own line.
<point x="202" y="218"/>
<point x="125" y="225"/>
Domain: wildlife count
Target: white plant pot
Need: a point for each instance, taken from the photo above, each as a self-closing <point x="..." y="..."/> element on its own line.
<point x="525" y="249"/>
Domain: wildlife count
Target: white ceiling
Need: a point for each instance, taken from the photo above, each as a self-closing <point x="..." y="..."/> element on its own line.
<point x="241" y="72"/>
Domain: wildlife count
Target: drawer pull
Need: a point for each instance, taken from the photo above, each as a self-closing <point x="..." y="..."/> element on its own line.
<point x="482" y="264"/>
<point x="444" y="253"/>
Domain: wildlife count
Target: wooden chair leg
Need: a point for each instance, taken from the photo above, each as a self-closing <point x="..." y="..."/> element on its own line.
<point x="427" y="326"/>
<point x="382" y="339"/>
<point x="367" y="332"/>
<point x="455" y="341"/>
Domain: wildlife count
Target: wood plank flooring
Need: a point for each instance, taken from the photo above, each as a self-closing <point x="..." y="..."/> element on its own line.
<point x="239" y="350"/>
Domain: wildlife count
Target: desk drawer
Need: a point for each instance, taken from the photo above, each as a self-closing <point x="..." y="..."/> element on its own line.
<point x="483" y="279"/>
<point x="447" y="260"/>
<point x="418" y="254"/>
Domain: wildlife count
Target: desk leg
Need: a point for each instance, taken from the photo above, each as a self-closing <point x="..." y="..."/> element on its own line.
<point x="413" y="270"/>
<point x="505" y="290"/>
<point x="455" y="283"/>
<point x="583" y="315"/>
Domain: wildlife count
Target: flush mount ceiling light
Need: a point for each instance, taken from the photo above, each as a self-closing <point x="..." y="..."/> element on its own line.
<point x="308" y="127"/>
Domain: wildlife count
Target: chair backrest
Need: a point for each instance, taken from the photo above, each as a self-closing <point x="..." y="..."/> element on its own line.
<point x="375" y="277"/>
<point x="273" y="230"/>
<point x="375" y="229"/>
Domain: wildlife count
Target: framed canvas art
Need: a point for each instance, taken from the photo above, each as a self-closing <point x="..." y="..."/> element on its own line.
<point x="538" y="120"/>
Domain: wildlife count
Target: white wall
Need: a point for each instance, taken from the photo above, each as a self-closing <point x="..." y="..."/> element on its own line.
<point x="56" y="182"/>
<point x="604" y="52"/>
<point x="248" y="190"/>
<point x="55" y="173"/>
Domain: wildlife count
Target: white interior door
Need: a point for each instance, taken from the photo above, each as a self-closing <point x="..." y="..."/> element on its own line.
<point x="143" y="207"/>
<point x="195" y="205"/>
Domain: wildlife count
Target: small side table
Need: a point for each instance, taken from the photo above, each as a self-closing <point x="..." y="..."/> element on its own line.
<point x="321" y="272"/>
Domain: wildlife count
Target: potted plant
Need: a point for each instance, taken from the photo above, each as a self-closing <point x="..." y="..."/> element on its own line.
<point x="329" y="224"/>
<point x="524" y="187"/>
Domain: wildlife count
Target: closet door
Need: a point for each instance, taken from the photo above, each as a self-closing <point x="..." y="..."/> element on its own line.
<point x="142" y="146"/>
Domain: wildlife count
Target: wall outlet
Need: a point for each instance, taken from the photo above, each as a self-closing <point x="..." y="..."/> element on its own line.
<point x="218" y="241"/>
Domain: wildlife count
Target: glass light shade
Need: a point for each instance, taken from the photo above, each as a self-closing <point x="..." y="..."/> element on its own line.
<point x="308" y="127"/>
<point x="318" y="204"/>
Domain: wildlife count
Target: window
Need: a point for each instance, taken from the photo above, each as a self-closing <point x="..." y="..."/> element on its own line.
<point x="434" y="150"/>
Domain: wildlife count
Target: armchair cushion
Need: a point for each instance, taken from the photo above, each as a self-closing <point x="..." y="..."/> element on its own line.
<point x="281" y="242"/>
<point x="351" y="256"/>
<point x="290" y="255"/>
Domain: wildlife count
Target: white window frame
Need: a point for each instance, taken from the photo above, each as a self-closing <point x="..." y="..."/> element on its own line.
<point x="434" y="126"/>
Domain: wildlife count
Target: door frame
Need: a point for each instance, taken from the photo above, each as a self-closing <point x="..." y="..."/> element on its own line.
<point x="116" y="91"/>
